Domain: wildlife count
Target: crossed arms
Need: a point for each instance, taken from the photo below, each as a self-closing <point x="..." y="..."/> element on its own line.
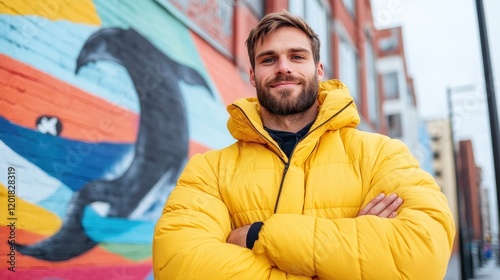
<point x="194" y="235"/>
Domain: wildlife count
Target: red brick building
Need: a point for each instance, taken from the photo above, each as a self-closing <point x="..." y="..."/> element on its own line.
<point x="469" y="182"/>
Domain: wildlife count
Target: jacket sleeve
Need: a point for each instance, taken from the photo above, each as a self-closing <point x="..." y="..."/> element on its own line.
<point x="415" y="245"/>
<point x="190" y="237"/>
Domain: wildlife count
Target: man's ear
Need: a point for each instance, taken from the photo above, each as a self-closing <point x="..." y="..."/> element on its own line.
<point x="252" y="77"/>
<point x="321" y="71"/>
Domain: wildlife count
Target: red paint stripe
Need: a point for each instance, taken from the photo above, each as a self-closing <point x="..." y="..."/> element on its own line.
<point x="129" y="272"/>
<point x="223" y="72"/>
<point x="95" y="257"/>
<point x="196" y="148"/>
<point x="28" y="93"/>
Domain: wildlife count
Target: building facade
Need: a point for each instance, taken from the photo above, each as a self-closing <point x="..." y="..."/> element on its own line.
<point x="399" y="100"/>
<point x="443" y="165"/>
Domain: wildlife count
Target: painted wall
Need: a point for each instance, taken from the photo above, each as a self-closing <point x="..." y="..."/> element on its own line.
<point x="101" y="104"/>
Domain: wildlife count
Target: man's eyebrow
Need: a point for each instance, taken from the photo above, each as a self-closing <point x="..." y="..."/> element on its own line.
<point x="264" y="53"/>
<point x="296" y="50"/>
<point x="291" y="50"/>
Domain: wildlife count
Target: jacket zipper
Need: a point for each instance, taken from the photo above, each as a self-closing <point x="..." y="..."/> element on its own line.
<point x="287" y="164"/>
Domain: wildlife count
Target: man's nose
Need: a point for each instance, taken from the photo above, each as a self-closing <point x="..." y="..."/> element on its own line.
<point x="283" y="66"/>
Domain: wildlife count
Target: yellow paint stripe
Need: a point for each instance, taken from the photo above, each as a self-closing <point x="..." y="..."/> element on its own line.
<point x="81" y="11"/>
<point x="28" y="216"/>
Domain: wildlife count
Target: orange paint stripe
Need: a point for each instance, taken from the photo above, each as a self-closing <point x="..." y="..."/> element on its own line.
<point x="28" y="93"/>
<point x="27" y="219"/>
<point x="82" y="11"/>
<point x="196" y="148"/>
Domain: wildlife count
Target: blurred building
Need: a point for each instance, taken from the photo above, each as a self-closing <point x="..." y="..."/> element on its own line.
<point x="475" y="212"/>
<point x="444" y="169"/>
<point x="399" y="100"/>
<point x="486" y="214"/>
<point x="469" y="184"/>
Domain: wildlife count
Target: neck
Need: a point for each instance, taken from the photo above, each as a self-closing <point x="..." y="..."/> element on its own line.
<point x="290" y="123"/>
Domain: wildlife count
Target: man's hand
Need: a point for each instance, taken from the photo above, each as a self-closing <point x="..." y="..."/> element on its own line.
<point x="381" y="206"/>
<point x="239" y="236"/>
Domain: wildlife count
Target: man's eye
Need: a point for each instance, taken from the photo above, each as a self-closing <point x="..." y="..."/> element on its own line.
<point x="268" y="60"/>
<point x="297" y="57"/>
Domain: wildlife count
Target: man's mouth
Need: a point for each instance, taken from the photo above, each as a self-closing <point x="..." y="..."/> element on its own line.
<point x="284" y="84"/>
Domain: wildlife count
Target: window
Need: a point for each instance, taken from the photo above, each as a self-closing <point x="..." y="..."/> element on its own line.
<point x="391" y="85"/>
<point x="348" y="61"/>
<point x="212" y="20"/>
<point x="395" y="126"/>
<point x="371" y="83"/>
<point x="410" y="99"/>
<point x="436" y="155"/>
<point x="437" y="173"/>
<point x="350" y="5"/>
<point x="316" y="15"/>
<point x="257" y="6"/>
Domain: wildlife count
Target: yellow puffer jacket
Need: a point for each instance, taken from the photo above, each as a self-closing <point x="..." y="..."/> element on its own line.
<point x="333" y="172"/>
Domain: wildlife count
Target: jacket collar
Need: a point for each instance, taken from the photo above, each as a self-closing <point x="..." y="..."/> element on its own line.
<point x="337" y="110"/>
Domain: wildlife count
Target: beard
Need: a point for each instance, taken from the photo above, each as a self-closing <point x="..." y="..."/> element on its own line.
<point x="282" y="103"/>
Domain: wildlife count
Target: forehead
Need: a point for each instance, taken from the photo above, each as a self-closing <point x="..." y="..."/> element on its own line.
<point x="284" y="38"/>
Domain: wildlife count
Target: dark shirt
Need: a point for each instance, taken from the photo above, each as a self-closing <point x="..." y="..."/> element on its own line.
<point x="288" y="140"/>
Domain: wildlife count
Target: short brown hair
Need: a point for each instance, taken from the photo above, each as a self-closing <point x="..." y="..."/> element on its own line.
<point x="270" y="23"/>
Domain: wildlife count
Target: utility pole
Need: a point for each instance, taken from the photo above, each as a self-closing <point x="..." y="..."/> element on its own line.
<point x="492" y="104"/>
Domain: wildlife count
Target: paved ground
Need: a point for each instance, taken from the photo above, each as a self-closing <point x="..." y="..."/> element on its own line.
<point x="490" y="271"/>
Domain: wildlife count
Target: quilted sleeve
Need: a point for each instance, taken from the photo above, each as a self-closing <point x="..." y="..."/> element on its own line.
<point x="190" y="237"/>
<point x="415" y="245"/>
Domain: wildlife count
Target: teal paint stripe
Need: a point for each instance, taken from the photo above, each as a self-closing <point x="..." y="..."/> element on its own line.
<point x="58" y="202"/>
<point x="117" y="230"/>
<point x="207" y="117"/>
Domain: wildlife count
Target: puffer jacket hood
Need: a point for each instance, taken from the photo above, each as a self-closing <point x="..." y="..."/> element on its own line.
<point x="334" y="100"/>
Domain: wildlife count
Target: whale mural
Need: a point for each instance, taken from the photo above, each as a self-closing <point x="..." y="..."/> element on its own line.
<point x="160" y="151"/>
<point x="102" y="106"/>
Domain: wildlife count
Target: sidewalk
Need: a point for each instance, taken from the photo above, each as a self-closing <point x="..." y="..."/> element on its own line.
<point x="490" y="271"/>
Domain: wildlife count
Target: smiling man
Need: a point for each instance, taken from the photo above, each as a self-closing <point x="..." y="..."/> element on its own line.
<point x="301" y="194"/>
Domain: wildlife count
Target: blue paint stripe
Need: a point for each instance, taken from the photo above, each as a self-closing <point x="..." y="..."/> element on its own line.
<point x="74" y="163"/>
<point x="150" y="276"/>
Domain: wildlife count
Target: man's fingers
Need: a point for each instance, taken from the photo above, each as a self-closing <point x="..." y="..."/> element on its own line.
<point x="366" y="210"/>
<point x="381" y="206"/>
<point x="391" y="208"/>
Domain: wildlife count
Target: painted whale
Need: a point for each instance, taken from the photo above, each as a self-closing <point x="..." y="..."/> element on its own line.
<point x="161" y="149"/>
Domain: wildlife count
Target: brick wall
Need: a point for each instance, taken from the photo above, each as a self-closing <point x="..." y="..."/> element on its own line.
<point x="97" y="120"/>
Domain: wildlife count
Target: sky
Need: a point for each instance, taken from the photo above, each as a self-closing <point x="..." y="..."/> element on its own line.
<point x="442" y="48"/>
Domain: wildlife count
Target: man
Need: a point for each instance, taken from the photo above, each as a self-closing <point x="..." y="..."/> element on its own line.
<point x="300" y="195"/>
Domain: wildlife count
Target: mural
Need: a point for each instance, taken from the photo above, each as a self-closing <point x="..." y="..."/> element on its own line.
<point x="102" y="103"/>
